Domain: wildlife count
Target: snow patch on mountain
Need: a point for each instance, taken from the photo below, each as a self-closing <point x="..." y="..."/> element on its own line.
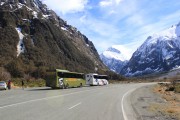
<point x="2" y="3"/>
<point x="117" y="52"/>
<point x="115" y="57"/>
<point x="35" y="14"/>
<point x="63" y="28"/>
<point x="20" y="46"/>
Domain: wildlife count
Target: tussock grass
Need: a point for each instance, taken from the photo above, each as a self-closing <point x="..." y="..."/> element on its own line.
<point x="168" y="92"/>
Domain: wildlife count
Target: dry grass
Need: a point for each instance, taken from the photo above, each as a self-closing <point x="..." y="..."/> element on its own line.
<point x="172" y="105"/>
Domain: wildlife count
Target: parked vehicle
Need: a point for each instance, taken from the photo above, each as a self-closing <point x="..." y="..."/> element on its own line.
<point x="64" y="79"/>
<point x="3" y="85"/>
<point x="95" y="79"/>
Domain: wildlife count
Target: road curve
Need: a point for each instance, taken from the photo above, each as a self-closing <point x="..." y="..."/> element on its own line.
<point x="87" y="103"/>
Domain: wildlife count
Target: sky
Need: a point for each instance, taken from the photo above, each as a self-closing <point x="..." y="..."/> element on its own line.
<point x="117" y="22"/>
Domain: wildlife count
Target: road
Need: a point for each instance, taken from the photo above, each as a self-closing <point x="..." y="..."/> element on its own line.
<point x="87" y="103"/>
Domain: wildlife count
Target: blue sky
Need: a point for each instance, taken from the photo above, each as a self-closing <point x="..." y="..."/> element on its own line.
<point x="118" y="22"/>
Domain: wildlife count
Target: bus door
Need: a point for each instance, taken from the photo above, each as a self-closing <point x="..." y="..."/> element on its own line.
<point x="88" y="79"/>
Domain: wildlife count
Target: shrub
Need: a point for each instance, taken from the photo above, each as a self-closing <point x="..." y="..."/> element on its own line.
<point x="15" y="68"/>
<point x="29" y="83"/>
<point x="4" y="75"/>
<point x="177" y="87"/>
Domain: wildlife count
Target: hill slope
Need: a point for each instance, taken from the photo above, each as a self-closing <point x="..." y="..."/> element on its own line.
<point x="33" y="39"/>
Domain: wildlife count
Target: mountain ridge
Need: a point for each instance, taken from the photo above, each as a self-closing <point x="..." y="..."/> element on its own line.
<point x="160" y="52"/>
<point x="33" y="38"/>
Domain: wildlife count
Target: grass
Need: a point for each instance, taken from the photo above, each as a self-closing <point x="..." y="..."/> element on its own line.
<point x="170" y="93"/>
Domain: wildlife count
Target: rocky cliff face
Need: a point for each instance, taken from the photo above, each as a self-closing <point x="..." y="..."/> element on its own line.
<point x="33" y="38"/>
<point x="160" y="52"/>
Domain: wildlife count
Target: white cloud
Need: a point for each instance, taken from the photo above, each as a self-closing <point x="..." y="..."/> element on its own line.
<point x="102" y="33"/>
<point x="106" y="3"/>
<point x="67" y="6"/>
<point x="113" y="22"/>
<point x="118" y="1"/>
<point x="172" y="18"/>
<point x="100" y="27"/>
<point x="135" y="20"/>
<point x="118" y="9"/>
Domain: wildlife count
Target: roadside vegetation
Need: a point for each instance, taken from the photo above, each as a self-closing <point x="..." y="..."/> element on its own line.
<point x="4" y="74"/>
<point x="17" y="81"/>
<point x="170" y="92"/>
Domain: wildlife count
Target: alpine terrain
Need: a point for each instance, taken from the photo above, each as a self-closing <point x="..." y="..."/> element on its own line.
<point x="33" y="38"/>
<point x="115" y="57"/>
<point x="160" y="52"/>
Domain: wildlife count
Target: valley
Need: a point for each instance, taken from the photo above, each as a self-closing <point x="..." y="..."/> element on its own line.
<point x="89" y="60"/>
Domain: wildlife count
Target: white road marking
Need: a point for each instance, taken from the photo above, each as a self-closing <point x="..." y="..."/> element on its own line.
<point x="122" y="101"/>
<point x="74" y="106"/>
<point x="47" y="98"/>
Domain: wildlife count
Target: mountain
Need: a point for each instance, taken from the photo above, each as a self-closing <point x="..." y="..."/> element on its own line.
<point x="33" y="39"/>
<point x="160" y="52"/>
<point x="115" y="57"/>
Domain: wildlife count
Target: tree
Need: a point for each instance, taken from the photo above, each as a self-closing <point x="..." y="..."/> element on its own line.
<point x="4" y="75"/>
<point x="15" y="68"/>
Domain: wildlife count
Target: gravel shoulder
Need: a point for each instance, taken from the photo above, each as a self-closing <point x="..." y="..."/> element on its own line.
<point x="149" y="105"/>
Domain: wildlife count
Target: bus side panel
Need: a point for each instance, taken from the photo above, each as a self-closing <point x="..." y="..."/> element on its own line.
<point x="69" y="82"/>
<point x="81" y="81"/>
<point x="74" y="82"/>
<point x="95" y="81"/>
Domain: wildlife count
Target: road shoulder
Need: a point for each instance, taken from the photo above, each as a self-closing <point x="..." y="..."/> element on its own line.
<point x="144" y="100"/>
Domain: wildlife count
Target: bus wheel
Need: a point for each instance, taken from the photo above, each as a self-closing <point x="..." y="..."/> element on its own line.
<point x="67" y="86"/>
<point x="80" y="85"/>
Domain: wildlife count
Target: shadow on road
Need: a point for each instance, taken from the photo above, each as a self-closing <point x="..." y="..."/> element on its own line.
<point x="39" y="89"/>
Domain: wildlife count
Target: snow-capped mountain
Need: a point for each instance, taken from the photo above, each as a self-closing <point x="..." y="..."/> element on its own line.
<point x="160" y="52"/>
<point x="115" y="57"/>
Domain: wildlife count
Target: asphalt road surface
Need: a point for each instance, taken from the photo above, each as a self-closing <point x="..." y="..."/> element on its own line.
<point x="88" y="103"/>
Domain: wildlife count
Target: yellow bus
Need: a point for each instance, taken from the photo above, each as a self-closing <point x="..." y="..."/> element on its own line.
<point x="64" y="79"/>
